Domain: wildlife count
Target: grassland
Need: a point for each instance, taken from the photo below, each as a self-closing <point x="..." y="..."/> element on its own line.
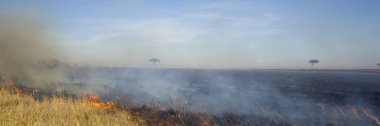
<point x="18" y="105"/>
<point x="24" y="110"/>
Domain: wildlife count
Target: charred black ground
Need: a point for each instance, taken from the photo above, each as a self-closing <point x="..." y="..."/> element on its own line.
<point x="233" y="97"/>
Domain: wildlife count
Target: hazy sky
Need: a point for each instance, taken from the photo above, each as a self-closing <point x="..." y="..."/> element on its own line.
<point x="216" y="34"/>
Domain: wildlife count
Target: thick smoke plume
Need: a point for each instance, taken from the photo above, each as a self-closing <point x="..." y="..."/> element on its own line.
<point x="300" y="98"/>
<point x="24" y="43"/>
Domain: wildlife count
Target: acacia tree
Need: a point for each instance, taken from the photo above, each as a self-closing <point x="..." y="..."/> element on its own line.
<point x="313" y="61"/>
<point x="154" y="61"/>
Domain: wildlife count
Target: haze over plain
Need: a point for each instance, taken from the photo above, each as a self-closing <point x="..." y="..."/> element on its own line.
<point x="211" y="34"/>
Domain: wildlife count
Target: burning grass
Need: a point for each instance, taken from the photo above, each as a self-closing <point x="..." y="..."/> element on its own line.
<point x="24" y="110"/>
<point x="20" y="106"/>
<point x="96" y="102"/>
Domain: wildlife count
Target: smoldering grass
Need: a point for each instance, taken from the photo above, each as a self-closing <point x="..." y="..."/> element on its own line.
<point x="56" y="110"/>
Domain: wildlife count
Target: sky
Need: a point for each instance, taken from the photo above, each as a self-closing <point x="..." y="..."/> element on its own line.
<point x="210" y="33"/>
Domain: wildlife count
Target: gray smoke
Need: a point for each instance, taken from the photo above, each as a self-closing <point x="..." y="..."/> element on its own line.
<point x="296" y="97"/>
<point x="24" y="44"/>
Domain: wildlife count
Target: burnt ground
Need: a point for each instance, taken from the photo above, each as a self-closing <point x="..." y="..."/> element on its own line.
<point x="256" y="97"/>
<point x="240" y="97"/>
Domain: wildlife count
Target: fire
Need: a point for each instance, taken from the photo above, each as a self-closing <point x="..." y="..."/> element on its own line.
<point x="12" y="87"/>
<point x="96" y="102"/>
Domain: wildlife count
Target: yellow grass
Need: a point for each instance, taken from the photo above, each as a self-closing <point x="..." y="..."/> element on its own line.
<point x="24" y="110"/>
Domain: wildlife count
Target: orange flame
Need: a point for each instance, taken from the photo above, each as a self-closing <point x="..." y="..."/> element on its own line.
<point x="96" y="102"/>
<point x="13" y="87"/>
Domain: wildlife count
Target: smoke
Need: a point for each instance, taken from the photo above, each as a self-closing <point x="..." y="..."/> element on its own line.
<point x="294" y="97"/>
<point x="24" y="43"/>
<point x="303" y="99"/>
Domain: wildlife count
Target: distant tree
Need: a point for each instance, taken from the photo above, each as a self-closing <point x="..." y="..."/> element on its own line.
<point x="154" y="61"/>
<point x="378" y="64"/>
<point x="313" y="61"/>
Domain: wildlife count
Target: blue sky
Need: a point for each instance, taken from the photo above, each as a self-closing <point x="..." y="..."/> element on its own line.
<point x="213" y="34"/>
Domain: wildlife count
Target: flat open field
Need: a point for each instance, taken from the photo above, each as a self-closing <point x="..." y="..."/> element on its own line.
<point x="234" y="97"/>
<point x="277" y="97"/>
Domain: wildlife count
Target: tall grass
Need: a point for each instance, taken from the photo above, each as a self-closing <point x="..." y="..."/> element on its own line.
<point x="24" y="110"/>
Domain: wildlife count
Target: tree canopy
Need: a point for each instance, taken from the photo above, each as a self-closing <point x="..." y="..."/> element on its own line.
<point x="154" y="60"/>
<point x="313" y="61"/>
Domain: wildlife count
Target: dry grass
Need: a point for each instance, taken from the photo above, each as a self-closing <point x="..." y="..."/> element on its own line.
<point x="24" y="110"/>
<point x="18" y="107"/>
